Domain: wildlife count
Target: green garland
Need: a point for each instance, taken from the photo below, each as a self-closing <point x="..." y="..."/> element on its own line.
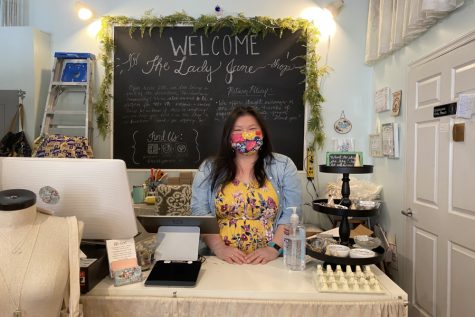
<point x="209" y="24"/>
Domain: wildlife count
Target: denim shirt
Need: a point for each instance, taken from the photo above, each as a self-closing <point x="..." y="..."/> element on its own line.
<point x="280" y="171"/>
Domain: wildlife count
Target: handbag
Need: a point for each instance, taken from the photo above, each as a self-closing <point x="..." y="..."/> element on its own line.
<point x="62" y="146"/>
<point x="15" y="144"/>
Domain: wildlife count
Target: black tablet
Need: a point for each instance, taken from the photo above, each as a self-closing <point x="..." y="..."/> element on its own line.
<point x="207" y="224"/>
<point x="169" y="273"/>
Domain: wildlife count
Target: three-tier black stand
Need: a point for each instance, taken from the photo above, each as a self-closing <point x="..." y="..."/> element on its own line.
<point x="320" y="205"/>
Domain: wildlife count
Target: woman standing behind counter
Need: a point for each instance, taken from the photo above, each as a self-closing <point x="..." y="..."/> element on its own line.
<point x="248" y="188"/>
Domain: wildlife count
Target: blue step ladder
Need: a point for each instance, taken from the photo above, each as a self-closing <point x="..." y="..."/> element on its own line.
<point x="65" y="112"/>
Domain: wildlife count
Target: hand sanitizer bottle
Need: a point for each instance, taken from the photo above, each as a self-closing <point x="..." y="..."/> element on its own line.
<point x="294" y="244"/>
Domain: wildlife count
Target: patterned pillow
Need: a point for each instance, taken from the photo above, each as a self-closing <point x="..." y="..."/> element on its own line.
<point x="173" y="200"/>
<point x="62" y="146"/>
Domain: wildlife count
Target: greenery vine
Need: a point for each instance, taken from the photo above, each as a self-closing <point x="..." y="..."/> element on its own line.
<point x="211" y="23"/>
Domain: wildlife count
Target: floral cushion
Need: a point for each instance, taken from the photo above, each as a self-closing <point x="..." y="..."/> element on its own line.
<point x="173" y="200"/>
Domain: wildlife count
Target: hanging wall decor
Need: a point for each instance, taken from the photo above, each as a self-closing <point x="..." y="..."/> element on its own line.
<point x="381" y="99"/>
<point x="342" y="125"/>
<point x="376" y="145"/>
<point x="390" y="139"/>
<point x="396" y="105"/>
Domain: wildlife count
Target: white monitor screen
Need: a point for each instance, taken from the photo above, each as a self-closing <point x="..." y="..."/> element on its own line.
<point x="96" y="191"/>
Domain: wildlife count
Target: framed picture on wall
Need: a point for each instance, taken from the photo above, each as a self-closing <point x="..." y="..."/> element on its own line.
<point x="396" y="104"/>
<point x="381" y="99"/>
<point x="390" y="136"/>
<point x="376" y="145"/>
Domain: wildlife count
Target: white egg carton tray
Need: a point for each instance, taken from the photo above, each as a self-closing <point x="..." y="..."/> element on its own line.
<point x="361" y="281"/>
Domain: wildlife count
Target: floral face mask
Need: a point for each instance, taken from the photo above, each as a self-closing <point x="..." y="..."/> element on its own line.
<point x="247" y="142"/>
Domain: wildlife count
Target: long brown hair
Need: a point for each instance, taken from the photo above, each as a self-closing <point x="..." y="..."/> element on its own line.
<point x="224" y="166"/>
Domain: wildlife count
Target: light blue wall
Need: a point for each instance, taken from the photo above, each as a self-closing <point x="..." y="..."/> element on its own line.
<point x="392" y="72"/>
<point x="347" y="88"/>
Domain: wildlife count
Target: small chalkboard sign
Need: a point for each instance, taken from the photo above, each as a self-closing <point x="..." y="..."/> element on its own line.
<point x="344" y="159"/>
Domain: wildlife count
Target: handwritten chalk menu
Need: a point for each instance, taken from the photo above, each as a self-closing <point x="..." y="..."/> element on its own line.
<point x="173" y="92"/>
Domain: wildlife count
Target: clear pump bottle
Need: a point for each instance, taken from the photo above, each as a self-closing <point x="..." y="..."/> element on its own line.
<point x="294" y="244"/>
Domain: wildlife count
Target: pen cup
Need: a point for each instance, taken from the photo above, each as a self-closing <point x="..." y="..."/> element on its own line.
<point x="138" y="194"/>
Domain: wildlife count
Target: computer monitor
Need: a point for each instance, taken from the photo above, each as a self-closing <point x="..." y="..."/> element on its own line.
<point x="96" y="191"/>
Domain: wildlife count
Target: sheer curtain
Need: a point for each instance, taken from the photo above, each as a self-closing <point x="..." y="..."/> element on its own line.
<point x="394" y="23"/>
<point x="12" y="12"/>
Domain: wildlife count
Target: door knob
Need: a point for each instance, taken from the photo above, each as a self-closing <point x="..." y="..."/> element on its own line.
<point x="407" y="212"/>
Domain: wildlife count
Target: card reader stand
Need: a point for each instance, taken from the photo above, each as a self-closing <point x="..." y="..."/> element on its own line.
<point x="177" y="257"/>
<point x="177" y="243"/>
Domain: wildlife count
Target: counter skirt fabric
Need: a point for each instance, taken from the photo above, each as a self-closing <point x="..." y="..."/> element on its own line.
<point x="104" y="306"/>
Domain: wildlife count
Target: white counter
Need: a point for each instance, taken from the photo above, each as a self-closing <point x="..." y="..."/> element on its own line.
<point x="223" y="283"/>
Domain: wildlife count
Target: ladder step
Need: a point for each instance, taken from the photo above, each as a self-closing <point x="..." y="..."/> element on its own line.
<point x="69" y="83"/>
<point x="62" y="126"/>
<point x="74" y="112"/>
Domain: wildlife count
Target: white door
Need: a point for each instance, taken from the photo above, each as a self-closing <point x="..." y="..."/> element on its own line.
<point x="440" y="188"/>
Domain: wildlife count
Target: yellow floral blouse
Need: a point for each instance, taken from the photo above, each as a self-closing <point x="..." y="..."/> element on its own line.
<point x="246" y="214"/>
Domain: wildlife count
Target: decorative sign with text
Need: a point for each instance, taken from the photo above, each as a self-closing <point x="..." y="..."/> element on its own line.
<point x="173" y="92"/>
<point x="344" y="159"/>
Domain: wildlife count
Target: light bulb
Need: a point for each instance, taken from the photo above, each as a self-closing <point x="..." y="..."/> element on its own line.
<point x="84" y="12"/>
<point x="322" y="19"/>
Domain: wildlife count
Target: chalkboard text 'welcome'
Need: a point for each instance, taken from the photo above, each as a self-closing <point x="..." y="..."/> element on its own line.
<point x="172" y="93"/>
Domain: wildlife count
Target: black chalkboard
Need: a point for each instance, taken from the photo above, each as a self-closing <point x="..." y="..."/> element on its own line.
<point x="172" y="92"/>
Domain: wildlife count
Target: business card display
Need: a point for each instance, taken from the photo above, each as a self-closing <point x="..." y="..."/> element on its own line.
<point x="123" y="265"/>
